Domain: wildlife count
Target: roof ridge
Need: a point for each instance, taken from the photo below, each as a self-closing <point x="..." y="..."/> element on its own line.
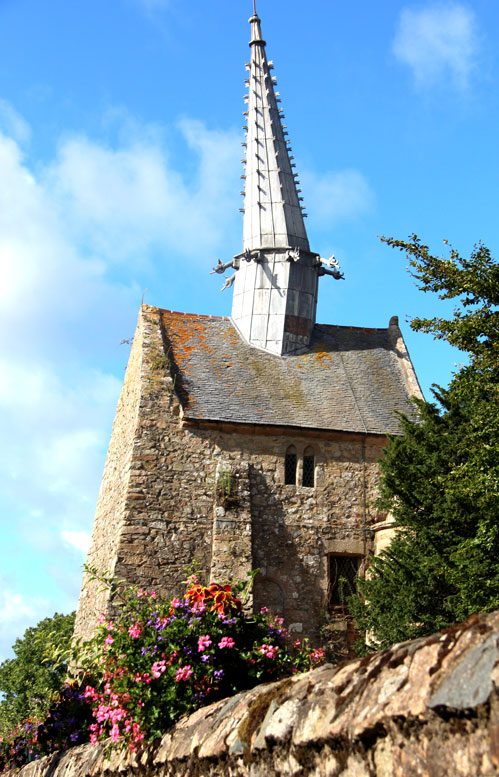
<point x="193" y="315"/>
<point x="360" y="328"/>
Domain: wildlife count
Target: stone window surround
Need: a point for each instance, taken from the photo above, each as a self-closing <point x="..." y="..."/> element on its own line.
<point x="338" y="606"/>
<point x="350" y="546"/>
<point x="300" y="446"/>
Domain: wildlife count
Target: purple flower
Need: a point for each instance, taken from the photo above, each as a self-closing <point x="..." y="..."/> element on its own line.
<point x="74" y="736"/>
<point x="218" y="674"/>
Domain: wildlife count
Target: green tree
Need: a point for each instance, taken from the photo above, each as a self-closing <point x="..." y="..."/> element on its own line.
<point x="440" y="478"/>
<point x="29" y="681"/>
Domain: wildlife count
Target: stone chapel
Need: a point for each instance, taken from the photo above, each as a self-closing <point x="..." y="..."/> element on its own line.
<point x="252" y="442"/>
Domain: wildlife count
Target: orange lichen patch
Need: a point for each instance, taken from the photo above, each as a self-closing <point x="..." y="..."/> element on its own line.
<point x="321" y="354"/>
<point x="227" y="384"/>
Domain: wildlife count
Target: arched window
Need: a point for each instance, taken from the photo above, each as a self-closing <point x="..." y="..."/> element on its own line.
<point x="308" y="479"/>
<point x="290" y="466"/>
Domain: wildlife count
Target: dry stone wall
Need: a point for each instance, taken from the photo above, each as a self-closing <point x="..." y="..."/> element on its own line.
<point x="162" y="505"/>
<point x="427" y="708"/>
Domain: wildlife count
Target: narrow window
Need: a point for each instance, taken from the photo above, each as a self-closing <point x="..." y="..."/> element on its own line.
<point x="308" y="479"/>
<point x="290" y="466"/>
<point x="343" y="573"/>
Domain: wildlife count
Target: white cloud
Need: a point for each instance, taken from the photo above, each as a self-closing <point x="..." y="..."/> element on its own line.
<point x="334" y="197"/>
<point x="15" y="607"/>
<point x="77" y="539"/>
<point x="13" y="124"/>
<point x="125" y="201"/>
<point x="17" y="613"/>
<point x="438" y="42"/>
<point x="74" y="235"/>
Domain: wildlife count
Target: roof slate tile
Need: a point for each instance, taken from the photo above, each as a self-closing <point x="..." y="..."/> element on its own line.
<point x="349" y="380"/>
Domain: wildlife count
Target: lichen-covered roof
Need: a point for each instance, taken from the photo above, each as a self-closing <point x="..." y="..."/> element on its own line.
<point x="350" y="380"/>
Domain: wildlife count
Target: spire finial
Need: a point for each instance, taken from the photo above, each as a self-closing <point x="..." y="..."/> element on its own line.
<point x="254" y="8"/>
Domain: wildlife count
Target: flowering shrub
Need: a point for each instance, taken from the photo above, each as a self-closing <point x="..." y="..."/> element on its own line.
<point x="164" y="659"/>
<point x="65" y="725"/>
<point x="159" y="660"/>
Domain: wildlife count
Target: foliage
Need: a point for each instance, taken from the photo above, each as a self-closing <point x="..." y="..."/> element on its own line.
<point x="30" y="679"/>
<point x="65" y="724"/>
<point x="164" y="659"/>
<point x="160" y="659"/>
<point x="440" y="479"/>
<point x="474" y="326"/>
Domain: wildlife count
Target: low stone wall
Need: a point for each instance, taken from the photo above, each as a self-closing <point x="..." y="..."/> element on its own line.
<point x="428" y="707"/>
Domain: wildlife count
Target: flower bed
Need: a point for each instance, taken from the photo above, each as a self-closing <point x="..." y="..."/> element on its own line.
<point x="162" y="659"/>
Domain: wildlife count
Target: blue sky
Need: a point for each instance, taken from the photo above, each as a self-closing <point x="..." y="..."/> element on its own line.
<point x="120" y="132"/>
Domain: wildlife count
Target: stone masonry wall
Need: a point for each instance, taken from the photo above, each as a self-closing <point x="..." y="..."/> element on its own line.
<point x="110" y="515"/>
<point x="160" y="499"/>
<point x="427" y="708"/>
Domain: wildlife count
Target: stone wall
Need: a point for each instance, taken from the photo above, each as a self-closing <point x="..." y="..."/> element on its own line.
<point x="427" y="708"/>
<point x="161" y="506"/>
<point x="111" y="511"/>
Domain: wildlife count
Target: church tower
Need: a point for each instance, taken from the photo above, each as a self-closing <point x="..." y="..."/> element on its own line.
<point x="252" y="442"/>
<point x="276" y="283"/>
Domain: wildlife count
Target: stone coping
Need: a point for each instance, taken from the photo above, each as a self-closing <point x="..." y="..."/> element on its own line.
<point x="425" y="707"/>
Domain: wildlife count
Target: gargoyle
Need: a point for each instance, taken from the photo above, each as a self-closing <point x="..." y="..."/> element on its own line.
<point x="221" y="267"/>
<point x="332" y="267"/>
<point x="228" y="282"/>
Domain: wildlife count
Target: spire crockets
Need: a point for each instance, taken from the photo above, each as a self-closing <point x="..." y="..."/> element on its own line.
<point x="276" y="278"/>
<point x="272" y="206"/>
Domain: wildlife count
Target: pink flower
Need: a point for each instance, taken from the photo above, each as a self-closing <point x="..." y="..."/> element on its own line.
<point x="183" y="673"/>
<point x="135" y="631"/>
<point x="90" y="693"/>
<point x="141" y="592"/>
<point x="153" y="594"/>
<point x="158" y="668"/>
<point x="203" y="643"/>
<point x="317" y="656"/>
<point x="198" y="607"/>
<point x="115" y="733"/>
<point x="175" y="602"/>
<point x="268" y="650"/>
<point x="226" y="642"/>
<point x="100" y="619"/>
<point x="109" y="640"/>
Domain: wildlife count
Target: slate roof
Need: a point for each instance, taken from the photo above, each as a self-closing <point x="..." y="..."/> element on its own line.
<point x="350" y="380"/>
